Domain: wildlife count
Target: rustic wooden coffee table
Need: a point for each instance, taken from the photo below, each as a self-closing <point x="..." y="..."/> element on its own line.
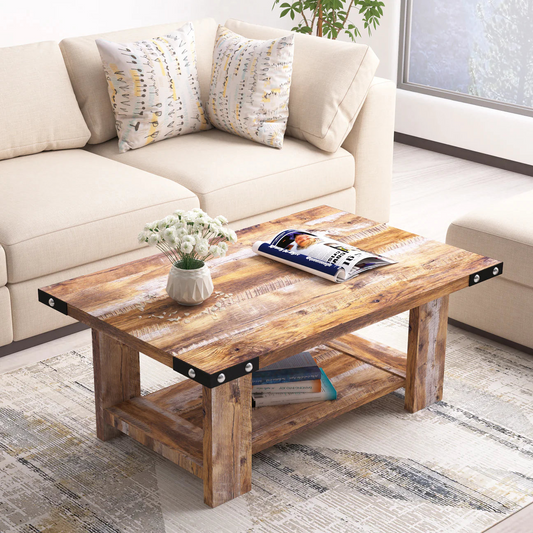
<point x="264" y="311"/>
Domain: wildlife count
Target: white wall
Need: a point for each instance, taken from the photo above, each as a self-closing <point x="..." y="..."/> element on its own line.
<point x="30" y="21"/>
<point x="384" y="41"/>
<point x="38" y="20"/>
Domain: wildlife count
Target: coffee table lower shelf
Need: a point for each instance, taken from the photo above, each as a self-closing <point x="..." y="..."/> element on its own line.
<point x="170" y="421"/>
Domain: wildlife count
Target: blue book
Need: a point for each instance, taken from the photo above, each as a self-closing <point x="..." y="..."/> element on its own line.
<point x="299" y="367"/>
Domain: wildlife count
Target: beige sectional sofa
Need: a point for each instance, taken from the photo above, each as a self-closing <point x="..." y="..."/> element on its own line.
<point x="70" y="204"/>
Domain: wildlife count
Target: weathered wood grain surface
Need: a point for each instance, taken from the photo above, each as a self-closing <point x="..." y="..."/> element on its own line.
<point x="116" y="378"/>
<point x="227" y="429"/>
<point x="171" y="436"/>
<point x="426" y="350"/>
<point x="373" y="352"/>
<point x="213" y="432"/>
<point x="356" y="381"/>
<point x="262" y="308"/>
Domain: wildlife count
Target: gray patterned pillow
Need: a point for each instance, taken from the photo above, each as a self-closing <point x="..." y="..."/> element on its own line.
<point x="250" y="84"/>
<point x="153" y="87"/>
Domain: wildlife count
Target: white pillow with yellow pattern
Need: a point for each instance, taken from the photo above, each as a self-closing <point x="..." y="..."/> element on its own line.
<point x="250" y="86"/>
<point x="153" y="87"/>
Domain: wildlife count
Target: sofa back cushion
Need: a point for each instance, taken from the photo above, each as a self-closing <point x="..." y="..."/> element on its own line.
<point x="329" y="84"/>
<point x="88" y="78"/>
<point x="38" y="109"/>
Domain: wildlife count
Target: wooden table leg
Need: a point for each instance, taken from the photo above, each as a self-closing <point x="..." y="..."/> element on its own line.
<point x="227" y="441"/>
<point x="116" y="378"/>
<point x="425" y="354"/>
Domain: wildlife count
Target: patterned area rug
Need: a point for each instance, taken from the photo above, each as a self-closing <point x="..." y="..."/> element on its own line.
<point x="459" y="466"/>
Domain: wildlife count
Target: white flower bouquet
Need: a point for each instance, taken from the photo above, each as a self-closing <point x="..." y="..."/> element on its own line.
<point x="189" y="238"/>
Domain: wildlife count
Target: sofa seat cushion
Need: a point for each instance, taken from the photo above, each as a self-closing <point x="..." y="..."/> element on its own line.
<point x="88" y="79"/>
<point x="24" y="302"/>
<point x="38" y="109"/>
<point x="503" y="231"/>
<point x="63" y="209"/>
<point x="237" y="178"/>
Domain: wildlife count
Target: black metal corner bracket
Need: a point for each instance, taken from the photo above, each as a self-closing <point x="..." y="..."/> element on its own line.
<point x="215" y="380"/>
<point x="53" y="302"/>
<point x="484" y="275"/>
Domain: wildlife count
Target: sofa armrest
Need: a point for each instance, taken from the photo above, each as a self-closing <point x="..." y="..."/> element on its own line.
<point x="371" y="143"/>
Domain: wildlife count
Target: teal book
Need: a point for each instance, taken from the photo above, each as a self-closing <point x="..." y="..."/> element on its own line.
<point x="327" y="393"/>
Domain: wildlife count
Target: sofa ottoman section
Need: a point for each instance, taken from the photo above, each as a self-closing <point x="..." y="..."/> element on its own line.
<point x="504" y="307"/>
<point x="3" y="267"/>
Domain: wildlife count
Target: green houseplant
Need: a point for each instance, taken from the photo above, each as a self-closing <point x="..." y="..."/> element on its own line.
<point x="330" y="18"/>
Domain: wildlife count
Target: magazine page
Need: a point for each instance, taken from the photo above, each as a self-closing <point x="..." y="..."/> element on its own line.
<point x="319" y="254"/>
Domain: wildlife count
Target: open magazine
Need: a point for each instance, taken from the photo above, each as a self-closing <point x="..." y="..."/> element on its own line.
<point x="318" y="254"/>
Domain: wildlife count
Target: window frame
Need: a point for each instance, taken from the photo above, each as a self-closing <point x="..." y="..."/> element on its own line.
<point x="403" y="74"/>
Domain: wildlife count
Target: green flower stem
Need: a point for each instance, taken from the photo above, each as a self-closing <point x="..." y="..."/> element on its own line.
<point x="189" y="263"/>
<point x="172" y="251"/>
<point x="169" y="257"/>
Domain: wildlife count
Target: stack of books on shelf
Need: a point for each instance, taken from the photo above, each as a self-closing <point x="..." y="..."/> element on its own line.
<point x="297" y="379"/>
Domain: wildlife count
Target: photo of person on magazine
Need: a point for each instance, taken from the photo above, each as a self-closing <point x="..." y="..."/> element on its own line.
<point x="320" y="255"/>
<point x="295" y="240"/>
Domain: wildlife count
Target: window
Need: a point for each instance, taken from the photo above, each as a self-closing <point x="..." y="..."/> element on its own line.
<point x="476" y="51"/>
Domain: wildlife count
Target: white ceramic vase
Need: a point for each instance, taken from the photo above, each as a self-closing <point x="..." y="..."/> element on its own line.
<point x="190" y="287"/>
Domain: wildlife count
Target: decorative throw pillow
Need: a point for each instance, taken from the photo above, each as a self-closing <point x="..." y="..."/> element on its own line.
<point x="153" y="87"/>
<point x="250" y="84"/>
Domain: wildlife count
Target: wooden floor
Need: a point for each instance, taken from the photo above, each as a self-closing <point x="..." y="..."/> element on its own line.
<point x="520" y="522"/>
<point x="429" y="191"/>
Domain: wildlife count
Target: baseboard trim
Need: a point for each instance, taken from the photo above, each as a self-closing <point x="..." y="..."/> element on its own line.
<point x="24" y="344"/>
<point x="490" y="336"/>
<point x="463" y="153"/>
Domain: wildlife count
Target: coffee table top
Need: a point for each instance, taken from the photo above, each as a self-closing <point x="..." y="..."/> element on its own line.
<point x="263" y="311"/>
